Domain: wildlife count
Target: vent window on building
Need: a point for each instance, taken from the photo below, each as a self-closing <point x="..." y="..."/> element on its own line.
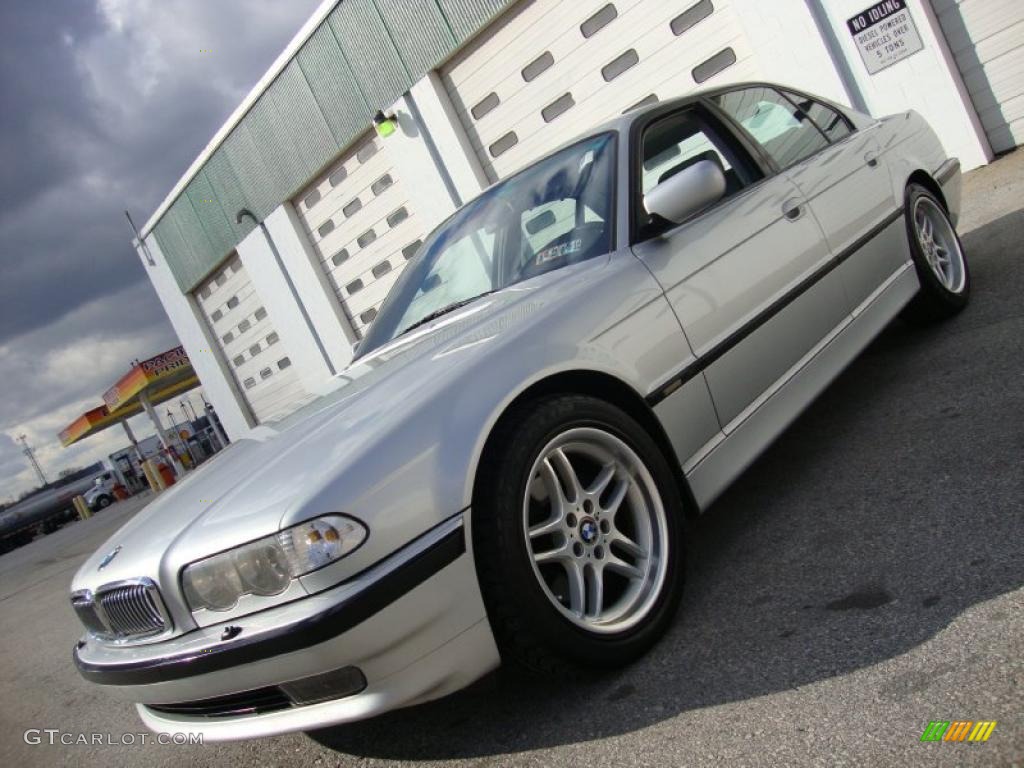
<point x="410" y="250"/>
<point x="352" y="207"/>
<point x="504" y="144"/>
<point x="485" y="105"/>
<point x="538" y="66"/>
<point x="557" y="107"/>
<point x="366" y="152"/>
<point x="366" y="238"/>
<point x="598" y="21"/>
<point x="337" y="176"/>
<point x="691" y="17"/>
<point x="398" y="217"/>
<point x="619" y="64"/>
<point x="708" y="69"/>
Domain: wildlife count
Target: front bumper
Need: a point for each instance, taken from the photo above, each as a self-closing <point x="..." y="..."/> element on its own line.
<point x="413" y="624"/>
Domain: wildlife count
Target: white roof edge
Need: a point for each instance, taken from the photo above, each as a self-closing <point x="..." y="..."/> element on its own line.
<point x="279" y="64"/>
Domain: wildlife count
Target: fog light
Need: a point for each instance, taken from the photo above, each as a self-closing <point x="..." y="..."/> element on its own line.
<point x="336" y="684"/>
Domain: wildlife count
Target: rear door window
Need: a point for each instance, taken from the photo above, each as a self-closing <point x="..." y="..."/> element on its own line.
<point x="787" y="133"/>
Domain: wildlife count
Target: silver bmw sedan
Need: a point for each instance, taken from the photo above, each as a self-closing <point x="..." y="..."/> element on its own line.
<point x="572" y="364"/>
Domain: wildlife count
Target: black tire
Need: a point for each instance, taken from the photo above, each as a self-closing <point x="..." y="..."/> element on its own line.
<point x="103" y="502"/>
<point x="935" y="301"/>
<point x="529" y="629"/>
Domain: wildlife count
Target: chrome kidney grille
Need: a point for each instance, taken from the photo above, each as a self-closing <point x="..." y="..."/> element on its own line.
<point x="123" y="611"/>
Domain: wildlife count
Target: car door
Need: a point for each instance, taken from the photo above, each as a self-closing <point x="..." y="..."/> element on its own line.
<point x="839" y="171"/>
<point x="749" y="279"/>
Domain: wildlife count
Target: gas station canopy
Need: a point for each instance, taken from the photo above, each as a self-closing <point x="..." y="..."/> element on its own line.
<point x="147" y="384"/>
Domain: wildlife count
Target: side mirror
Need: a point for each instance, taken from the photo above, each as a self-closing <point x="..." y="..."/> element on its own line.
<point x="691" y="190"/>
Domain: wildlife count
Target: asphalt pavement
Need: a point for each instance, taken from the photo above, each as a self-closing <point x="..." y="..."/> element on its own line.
<point x="864" y="577"/>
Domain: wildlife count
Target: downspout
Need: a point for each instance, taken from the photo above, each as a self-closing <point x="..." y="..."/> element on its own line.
<point x="835" y="50"/>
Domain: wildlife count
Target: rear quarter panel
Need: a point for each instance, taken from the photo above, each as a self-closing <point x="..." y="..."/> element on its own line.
<point x="908" y="145"/>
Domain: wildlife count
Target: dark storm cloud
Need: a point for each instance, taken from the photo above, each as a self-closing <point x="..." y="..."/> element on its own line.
<point x="103" y="106"/>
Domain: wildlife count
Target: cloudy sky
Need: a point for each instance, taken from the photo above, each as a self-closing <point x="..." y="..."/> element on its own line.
<point x="103" y="106"/>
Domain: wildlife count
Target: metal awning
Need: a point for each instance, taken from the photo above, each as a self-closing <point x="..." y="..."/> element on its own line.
<point x="147" y="384"/>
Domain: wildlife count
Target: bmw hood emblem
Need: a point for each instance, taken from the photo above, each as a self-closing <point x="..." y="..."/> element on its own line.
<point x="108" y="557"/>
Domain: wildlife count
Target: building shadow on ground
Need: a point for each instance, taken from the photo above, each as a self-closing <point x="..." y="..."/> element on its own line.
<point x="887" y="510"/>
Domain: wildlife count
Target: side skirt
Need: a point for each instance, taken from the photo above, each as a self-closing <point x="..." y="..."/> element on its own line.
<point x="713" y="469"/>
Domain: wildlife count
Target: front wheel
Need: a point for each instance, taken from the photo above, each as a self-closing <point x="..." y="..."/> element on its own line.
<point x="577" y="536"/>
<point x="938" y="257"/>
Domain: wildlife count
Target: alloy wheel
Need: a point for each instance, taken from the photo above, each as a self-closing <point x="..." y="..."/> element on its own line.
<point x="595" y="529"/>
<point x="939" y="244"/>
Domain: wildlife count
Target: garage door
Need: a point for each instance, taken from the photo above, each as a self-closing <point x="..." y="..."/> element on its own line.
<point x="251" y="346"/>
<point x="987" y="40"/>
<point x="551" y="69"/>
<point x="362" y="226"/>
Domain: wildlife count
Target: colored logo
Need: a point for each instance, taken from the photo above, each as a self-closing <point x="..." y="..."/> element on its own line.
<point x="958" y="730"/>
<point x="588" y="531"/>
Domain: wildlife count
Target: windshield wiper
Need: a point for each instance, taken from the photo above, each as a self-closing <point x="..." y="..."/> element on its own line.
<point x="445" y="310"/>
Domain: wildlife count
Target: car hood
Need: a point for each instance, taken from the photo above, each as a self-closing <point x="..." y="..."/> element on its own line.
<point x="267" y="481"/>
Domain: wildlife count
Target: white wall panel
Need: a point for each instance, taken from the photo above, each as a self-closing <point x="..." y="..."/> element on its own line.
<point x="261" y="365"/>
<point x="501" y="102"/>
<point x="362" y="226"/>
<point x="986" y="37"/>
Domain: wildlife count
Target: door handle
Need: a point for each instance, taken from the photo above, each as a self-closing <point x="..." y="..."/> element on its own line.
<point x="871" y="159"/>
<point x="793" y="209"/>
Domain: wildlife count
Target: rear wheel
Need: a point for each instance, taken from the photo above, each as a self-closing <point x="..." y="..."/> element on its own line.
<point x="577" y="536"/>
<point x="938" y="257"/>
<point x="103" y="502"/>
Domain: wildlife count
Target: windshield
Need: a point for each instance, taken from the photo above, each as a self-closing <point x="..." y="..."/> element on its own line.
<point x="552" y="214"/>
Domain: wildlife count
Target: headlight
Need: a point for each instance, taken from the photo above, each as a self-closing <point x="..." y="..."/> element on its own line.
<point x="267" y="566"/>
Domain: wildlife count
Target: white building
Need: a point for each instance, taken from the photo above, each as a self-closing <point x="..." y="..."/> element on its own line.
<point x="479" y="88"/>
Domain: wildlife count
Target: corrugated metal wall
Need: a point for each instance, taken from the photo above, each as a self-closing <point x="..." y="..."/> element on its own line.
<point x="364" y="56"/>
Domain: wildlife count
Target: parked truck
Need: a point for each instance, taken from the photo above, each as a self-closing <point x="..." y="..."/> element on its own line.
<point x="45" y="510"/>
